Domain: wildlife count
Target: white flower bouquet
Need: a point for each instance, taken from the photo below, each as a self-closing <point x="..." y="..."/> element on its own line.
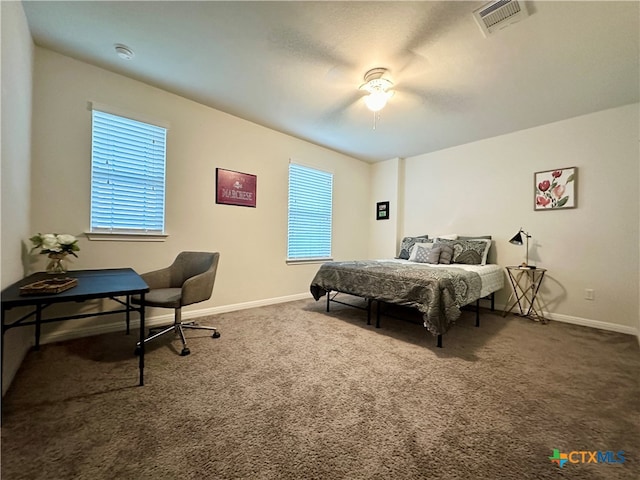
<point x="55" y="243"/>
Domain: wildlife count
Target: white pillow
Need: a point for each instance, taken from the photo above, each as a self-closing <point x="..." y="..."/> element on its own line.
<point x="451" y="236"/>
<point x="414" y="250"/>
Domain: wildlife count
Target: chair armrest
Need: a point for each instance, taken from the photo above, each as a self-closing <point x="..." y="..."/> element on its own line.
<point x="158" y="278"/>
<point x="198" y="288"/>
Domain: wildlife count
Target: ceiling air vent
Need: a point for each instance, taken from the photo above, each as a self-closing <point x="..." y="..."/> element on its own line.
<point x="497" y="15"/>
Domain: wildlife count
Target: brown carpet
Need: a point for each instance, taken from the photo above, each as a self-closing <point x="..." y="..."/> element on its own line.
<point x="291" y="392"/>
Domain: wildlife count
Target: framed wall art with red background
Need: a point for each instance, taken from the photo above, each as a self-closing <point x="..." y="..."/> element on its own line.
<point x="235" y="188"/>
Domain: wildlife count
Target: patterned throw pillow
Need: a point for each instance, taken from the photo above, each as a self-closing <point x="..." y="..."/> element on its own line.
<point x="434" y="255"/>
<point x="407" y="243"/>
<point x="446" y="253"/>
<point x="470" y="252"/>
<point x="419" y="251"/>
<point x="431" y="253"/>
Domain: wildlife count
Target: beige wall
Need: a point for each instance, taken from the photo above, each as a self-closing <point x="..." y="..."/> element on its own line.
<point x="486" y="187"/>
<point x="386" y="185"/>
<point x="252" y="241"/>
<point x="17" y="67"/>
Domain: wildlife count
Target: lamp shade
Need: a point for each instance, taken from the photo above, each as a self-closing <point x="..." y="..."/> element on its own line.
<point x="517" y="238"/>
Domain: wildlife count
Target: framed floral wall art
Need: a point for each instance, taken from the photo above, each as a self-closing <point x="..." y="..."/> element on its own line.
<point x="555" y="189"/>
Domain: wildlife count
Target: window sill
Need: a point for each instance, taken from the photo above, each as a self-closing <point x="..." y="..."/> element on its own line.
<point x="304" y="261"/>
<point x="127" y="237"/>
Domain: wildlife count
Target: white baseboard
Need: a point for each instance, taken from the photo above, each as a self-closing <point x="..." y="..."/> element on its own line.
<point x="165" y="319"/>
<point x="586" y="322"/>
<point x="70" y="333"/>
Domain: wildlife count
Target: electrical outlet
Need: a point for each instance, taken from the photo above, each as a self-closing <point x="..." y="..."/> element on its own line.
<point x="589" y="294"/>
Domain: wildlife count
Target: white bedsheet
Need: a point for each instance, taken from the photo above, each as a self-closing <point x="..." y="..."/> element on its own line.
<point x="492" y="276"/>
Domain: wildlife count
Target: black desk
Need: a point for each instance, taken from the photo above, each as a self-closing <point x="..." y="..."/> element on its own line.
<point x="92" y="284"/>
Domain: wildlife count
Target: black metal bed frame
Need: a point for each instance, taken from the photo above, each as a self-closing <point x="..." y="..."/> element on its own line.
<point x="490" y="297"/>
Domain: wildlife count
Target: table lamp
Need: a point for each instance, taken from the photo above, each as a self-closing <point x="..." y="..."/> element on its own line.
<point x="517" y="240"/>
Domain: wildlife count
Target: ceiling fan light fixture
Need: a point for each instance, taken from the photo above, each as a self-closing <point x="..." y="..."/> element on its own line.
<point x="379" y="89"/>
<point x="377" y="100"/>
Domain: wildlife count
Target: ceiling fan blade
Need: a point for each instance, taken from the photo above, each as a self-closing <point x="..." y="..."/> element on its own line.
<point x="411" y="64"/>
<point x="303" y="47"/>
<point x="442" y="100"/>
<point x="336" y="113"/>
<point x="343" y="76"/>
<point x="437" y="18"/>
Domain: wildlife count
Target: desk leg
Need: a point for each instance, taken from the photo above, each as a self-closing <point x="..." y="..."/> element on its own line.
<point x="2" y="356"/>
<point x="38" y="323"/>
<point x="128" y="314"/>
<point x="141" y="356"/>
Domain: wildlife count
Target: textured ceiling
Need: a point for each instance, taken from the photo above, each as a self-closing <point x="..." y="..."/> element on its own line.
<point x="296" y="66"/>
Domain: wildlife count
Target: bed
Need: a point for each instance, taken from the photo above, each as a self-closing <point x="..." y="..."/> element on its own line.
<point x="438" y="291"/>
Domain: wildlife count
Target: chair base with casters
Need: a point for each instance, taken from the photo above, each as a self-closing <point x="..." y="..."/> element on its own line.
<point x="177" y="327"/>
<point x="188" y="280"/>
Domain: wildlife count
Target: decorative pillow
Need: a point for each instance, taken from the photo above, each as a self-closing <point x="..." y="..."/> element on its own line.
<point x="407" y="243"/>
<point x="420" y="249"/>
<point x="470" y="252"/>
<point x="446" y="252"/>
<point x="451" y="236"/>
<point x="477" y="237"/>
<point x="434" y="255"/>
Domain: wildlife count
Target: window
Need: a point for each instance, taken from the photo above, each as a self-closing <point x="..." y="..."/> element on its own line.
<point x="310" y="211"/>
<point x="127" y="175"/>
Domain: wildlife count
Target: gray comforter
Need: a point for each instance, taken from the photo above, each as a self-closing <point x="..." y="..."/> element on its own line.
<point x="436" y="292"/>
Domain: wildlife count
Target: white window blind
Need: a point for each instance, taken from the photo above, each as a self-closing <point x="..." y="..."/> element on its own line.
<point x="310" y="212"/>
<point x="127" y="175"/>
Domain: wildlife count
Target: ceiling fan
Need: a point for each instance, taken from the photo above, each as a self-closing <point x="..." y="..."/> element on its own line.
<point x="378" y="87"/>
<point x="403" y="57"/>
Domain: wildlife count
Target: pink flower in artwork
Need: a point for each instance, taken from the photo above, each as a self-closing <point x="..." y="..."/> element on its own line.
<point x="558" y="190"/>
<point x="556" y="173"/>
<point x="542" y="201"/>
<point x="544" y="185"/>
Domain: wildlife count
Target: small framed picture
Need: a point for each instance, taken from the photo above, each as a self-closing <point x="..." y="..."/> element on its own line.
<point x="235" y="188"/>
<point x="382" y="211"/>
<point x="555" y="189"/>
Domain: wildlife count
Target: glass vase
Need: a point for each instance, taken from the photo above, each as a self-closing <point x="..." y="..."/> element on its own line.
<point x="55" y="265"/>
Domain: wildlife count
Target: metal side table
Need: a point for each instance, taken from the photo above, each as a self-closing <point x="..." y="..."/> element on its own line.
<point x="525" y="283"/>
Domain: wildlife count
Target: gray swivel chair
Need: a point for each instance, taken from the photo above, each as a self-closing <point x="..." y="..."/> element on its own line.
<point x="189" y="279"/>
